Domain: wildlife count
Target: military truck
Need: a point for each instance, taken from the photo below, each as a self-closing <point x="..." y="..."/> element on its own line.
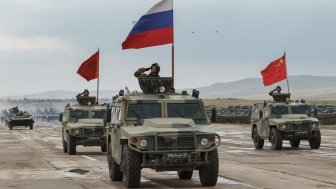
<point x="82" y="124"/>
<point x="16" y="117"/>
<point x="284" y="119"/>
<point x="161" y="130"/>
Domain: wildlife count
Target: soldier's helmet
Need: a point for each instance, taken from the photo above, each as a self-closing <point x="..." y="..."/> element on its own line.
<point x="278" y="88"/>
<point x="86" y="92"/>
<point x="157" y="67"/>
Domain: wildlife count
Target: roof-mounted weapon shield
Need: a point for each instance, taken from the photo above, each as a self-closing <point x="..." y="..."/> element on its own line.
<point x="156" y="84"/>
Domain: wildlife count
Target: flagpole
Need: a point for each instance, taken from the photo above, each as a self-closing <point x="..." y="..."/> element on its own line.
<point x="98" y="78"/>
<point x="286" y="70"/>
<point x="173" y="51"/>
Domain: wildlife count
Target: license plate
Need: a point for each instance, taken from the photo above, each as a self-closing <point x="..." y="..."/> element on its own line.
<point x="177" y="155"/>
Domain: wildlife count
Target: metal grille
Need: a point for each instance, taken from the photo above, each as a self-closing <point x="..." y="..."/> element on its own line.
<point x="176" y="143"/>
<point x="300" y="127"/>
<point x="93" y="132"/>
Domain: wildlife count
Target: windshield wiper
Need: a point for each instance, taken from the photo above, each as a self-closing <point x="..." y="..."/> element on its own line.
<point x="138" y="116"/>
<point x="179" y="113"/>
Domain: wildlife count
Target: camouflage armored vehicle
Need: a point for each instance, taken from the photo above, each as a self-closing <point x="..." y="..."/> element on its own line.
<point x="16" y="117"/>
<point x="82" y="124"/>
<point x="281" y="120"/>
<point x="161" y="130"/>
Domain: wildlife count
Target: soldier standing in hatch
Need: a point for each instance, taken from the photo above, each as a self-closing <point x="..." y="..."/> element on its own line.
<point x="84" y="93"/>
<point x="277" y="89"/>
<point x="154" y="71"/>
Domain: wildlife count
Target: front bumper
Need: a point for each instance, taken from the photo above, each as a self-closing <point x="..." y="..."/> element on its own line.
<point x="176" y="151"/>
<point x="89" y="136"/>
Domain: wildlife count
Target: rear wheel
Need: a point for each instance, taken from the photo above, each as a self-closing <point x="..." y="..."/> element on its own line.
<point x="295" y="143"/>
<point x="114" y="168"/>
<point x="258" y="142"/>
<point x="276" y="139"/>
<point x="131" y="167"/>
<point x="315" y="141"/>
<point x="71" y="144"/>
<point x="208" y="173"/>
<point x="184" y="175"/>
<point x="103" y="148"/>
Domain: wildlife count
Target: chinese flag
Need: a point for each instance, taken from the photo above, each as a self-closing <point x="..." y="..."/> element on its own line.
<point x="276" y="71"/>
<point x="89" y="69"/>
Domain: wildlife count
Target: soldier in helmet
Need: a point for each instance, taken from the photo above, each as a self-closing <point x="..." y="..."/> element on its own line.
<point x="277" y="89"/>
<point x="154" y="71"/>
<point x="84" y="93"/>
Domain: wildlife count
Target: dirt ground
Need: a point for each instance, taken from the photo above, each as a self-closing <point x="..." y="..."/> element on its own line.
<point x="31" y="159"/>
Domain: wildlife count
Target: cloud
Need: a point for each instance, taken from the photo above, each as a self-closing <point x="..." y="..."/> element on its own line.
<point x="10" y="43"/>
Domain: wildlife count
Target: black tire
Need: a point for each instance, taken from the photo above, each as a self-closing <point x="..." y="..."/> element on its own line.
<point x="31" y="126"/>
<point x="103" y="148"/>
<point x="258" y="142"/>
<point x="114" y="168"/>
<point x="10" y="127"/>
<point x="184" y="175"/>
<point x="65" y="147"/>
<point x="294" y="143"/>
<point x="208" y="173"/>
<point x="276" y="139"/>
<point x="315" y="141"/>
<point x="131" y="167"/>
<point x="71" y="145"/>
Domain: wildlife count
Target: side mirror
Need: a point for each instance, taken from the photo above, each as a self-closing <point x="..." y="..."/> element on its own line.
<point x="60" y="117"/>
<point x="108" y="115"/>
<point x="260" y="114"/>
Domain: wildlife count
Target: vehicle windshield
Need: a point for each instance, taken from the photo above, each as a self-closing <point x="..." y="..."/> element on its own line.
<point x="190" y="110"/>
<point x="144" y="111"/>
<point x="97" y="114"/>
<point x="278" y="111"/>
<point x="302" y="109"/>
<point x="78" y="114"/>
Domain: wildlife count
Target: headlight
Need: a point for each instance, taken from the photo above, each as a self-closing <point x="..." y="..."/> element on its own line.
<point x="314" y="126"/>
<point x="77" y="132"/>
<point x="204" y="141"/>
<point x="284" y="127"/>
<point x="162" y="89"/>
<point x="143" y="142"/>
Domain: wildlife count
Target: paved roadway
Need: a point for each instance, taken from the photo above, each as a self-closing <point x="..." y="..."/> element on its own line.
<point x="34" y="159"/>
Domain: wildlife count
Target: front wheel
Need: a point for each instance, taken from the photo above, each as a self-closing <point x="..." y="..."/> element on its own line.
<point x="276" y="139"/>
<point x="315" y="141"/>
<point x="208" y="173"/>
<point x="258" y="142"/>
<point x="131" y="167"/>
<point x="31" y="126"/>
<point x="65" y="147"/>
<point x="114" y="168"/>
<point x="71" y="144"/>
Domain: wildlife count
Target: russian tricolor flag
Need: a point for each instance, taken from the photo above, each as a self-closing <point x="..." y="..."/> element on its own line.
<point x="153" y="28"/>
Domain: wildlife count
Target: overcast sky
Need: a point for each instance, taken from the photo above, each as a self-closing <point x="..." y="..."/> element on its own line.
<point x="43" y="42"/>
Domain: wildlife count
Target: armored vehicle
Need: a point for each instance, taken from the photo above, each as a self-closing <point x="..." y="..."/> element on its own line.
<point x="82" y="124"/>
<point x="284" y="119"/>
<point x="16" y="117"/>
<point x="161" y="130"/>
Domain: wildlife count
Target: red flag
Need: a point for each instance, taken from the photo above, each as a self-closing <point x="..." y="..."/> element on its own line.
<point x="89" y="69"/>
<point x="276" y="71"/>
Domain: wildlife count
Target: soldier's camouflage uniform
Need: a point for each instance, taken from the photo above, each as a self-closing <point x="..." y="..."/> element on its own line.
<point x="140" y="73"/>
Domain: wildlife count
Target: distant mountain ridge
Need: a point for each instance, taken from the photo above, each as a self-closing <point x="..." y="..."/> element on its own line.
<point x="304" y="86"/>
